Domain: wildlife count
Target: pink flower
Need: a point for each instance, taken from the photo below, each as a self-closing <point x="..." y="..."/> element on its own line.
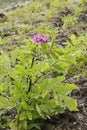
<point x="40" y="39"/>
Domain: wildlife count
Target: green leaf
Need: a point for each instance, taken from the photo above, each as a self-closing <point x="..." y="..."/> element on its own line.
<point x="45" y="108"/>
<point x="58" y="100"/>
<point x="22" y="125"/>
<point x="29" y="115"/>
<point x="34" y="125"/>
<point x="53" y="41"/>
<point x="70" y="103"/>
<point x="1" y="88"/>
<point x="56" y="81"/>
<point x="5" y="103"/>
<point x="65" y="89"/>
<point x="38" y="109"/>
<point x="22" y="116"/>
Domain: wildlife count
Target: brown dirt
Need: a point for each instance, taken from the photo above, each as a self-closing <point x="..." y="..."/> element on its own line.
<point x="63" y="35"/>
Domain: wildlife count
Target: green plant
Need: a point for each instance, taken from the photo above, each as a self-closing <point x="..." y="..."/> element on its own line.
<point x="79" y="68"/>
<point x="69" y="21"/>
<point x="29" y="85"/>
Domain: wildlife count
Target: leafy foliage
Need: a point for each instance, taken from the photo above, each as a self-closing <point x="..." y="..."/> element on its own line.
<point x="28" y="83"/>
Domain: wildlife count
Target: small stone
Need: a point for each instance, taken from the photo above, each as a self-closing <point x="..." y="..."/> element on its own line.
<point x="3" y="16"/>
<point x="74" y="123"/>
